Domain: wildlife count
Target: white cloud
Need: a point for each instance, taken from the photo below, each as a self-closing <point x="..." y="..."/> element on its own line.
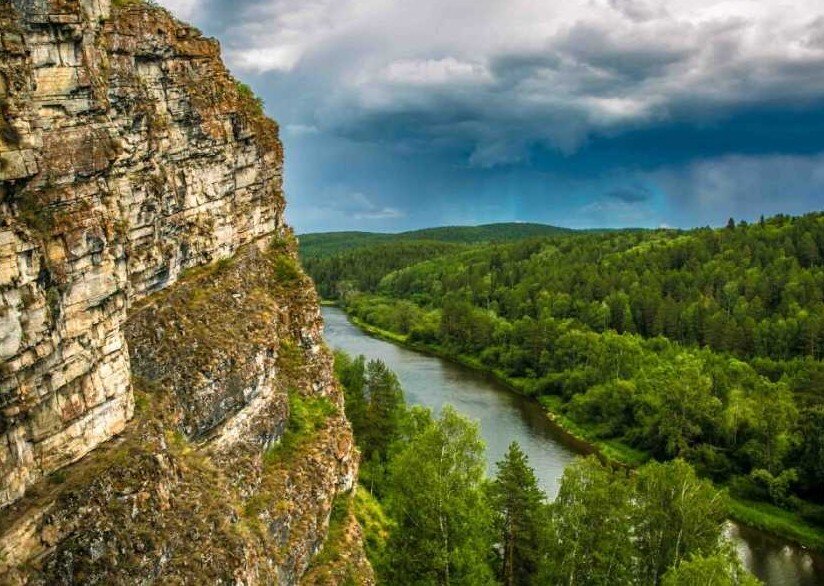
<point x="435" y="71"/>
<point x="183" y="9"/>
<point x="607" y="110"/>
<point x="281" y="58"/>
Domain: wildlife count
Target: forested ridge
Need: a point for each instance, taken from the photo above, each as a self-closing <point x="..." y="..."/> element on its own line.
<point x="340" y="260"/>
<point x="365" y="267"/>
<point x="324" y="244"/>
<point x="703" y="344"/>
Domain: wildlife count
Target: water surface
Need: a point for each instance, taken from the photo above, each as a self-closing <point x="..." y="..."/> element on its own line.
<point x="505" y="417"/>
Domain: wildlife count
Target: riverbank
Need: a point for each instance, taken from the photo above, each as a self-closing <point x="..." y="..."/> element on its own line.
<point x="762" y="516"/>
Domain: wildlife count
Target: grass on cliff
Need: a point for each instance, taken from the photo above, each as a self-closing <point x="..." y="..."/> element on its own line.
<point x="338" y="516"/>
<point x="306" y="416"/>
<point x="339" y="562"/>
<point x="203" y="495"/>
<point x="99" y="490"/>
<point x="375" y="524"/>
<point x="286" y="271"/>
<point x="246" y="93"/>
<point x="37" y="214"/>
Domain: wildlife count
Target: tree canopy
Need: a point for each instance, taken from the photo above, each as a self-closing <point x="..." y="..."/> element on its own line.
<point x="704" y="344"/>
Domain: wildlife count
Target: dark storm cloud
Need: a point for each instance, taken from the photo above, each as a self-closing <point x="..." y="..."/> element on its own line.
<point x="558" y="108"/>
<point x="630" y="194"/>
<point x="624" y="59"/>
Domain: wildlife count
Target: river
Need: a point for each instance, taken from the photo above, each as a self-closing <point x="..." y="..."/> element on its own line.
<point x="505" y="416"/>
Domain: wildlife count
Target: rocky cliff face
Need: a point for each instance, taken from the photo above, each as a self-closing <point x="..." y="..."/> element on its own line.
<point x="144" y="261"/>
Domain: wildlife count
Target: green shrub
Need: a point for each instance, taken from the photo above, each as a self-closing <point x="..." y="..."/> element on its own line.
<point x="36" y="214"/>
<point x="286" y="270"/>
<point x="306" y="416"/>
<point x="58" y="477"/>
<point x="246" y="93"/>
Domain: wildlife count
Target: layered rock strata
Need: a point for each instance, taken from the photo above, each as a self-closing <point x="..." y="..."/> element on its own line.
<point x="143" y="255"/>
<point x="128" y="154"/>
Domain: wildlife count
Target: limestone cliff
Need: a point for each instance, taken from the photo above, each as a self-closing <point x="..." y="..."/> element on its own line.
<point x="169" y="413"/>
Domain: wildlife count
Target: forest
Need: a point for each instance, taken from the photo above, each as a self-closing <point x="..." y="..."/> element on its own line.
<point x="325" y="244"/>
<point x="337" y="259"/>
<point x="432" y="516"/>
<point x="702" y="345"/>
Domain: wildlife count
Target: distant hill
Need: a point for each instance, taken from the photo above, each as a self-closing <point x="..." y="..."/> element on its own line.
<point x="485" y="232"/>
<point x="362" y="259"/>
<point x="324" y="244"/>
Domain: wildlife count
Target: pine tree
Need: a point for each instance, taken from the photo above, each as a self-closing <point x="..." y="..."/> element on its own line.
<point x="517" y="502"/>
<point x="386" y="406"/>
<point x="352" y="375"/>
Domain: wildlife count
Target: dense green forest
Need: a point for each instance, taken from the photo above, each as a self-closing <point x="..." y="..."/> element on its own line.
<point x="324" y="244"/>
<point x="704" y="345"/>
<point x="365" y="267"/>
<point x="343" y="262"/>
<point x="432" y="516"/>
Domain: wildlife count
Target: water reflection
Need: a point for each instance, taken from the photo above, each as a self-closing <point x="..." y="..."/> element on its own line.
<point x="774" y="561"/>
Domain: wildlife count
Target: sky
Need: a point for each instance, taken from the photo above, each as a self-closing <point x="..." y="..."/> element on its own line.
<point x="402" y="114"/>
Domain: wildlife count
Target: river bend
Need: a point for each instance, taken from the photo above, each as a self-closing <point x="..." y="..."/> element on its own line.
<point x="505" y="416"/>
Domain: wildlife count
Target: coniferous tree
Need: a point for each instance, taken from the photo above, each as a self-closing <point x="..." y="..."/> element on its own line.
<point x="517" y="503"/>
<point x="384" y="411"/>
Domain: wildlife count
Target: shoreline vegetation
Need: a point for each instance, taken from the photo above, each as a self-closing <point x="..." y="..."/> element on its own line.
<point x="433" y="514"/>
<point x="759" y="515"/>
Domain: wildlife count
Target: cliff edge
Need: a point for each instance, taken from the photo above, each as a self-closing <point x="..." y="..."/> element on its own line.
<point x="168" y="410"/>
